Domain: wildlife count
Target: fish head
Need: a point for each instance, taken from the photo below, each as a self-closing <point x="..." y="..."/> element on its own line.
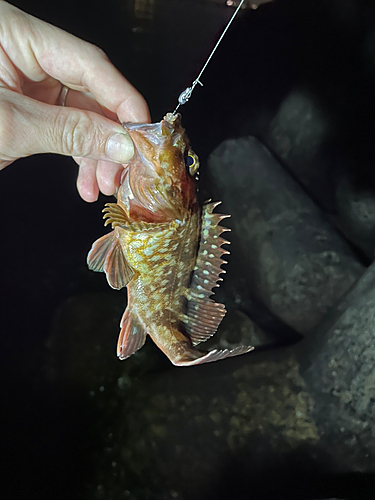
<point x="159" y="183"/>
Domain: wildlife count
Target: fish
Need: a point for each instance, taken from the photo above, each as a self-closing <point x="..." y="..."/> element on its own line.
<point x="165" y="248"/>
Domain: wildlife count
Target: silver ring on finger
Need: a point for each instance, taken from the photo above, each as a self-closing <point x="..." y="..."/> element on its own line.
<point x="61" y="100"/>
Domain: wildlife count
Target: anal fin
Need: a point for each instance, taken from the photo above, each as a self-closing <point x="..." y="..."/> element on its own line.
<point x="106" y="255"/>
<point x="132" y="335"/>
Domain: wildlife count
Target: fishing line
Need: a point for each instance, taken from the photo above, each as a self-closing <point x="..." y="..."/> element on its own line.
<point x="186" y="94"/>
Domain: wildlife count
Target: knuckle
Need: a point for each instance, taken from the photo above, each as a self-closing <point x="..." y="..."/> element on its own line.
<point x="76" y="133"/>
<point x="98" y="51"/>
<point x="94" y="53"/>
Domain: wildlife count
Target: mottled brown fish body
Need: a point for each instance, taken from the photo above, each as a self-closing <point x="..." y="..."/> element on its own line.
<point x="164" y="248"/>
<point x="163" y="261"/>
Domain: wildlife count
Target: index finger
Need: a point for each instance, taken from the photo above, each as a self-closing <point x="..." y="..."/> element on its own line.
<point x="37" y="45"/>
<point x="97" y="75"/>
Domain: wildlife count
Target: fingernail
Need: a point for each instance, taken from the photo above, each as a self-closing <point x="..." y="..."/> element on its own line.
<point x="119" y="148"/>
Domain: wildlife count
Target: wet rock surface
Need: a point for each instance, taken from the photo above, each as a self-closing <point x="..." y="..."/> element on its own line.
<point x="152" y="421"/>
<point x="339" y="365"/>
<point x="161" y="432"/>
<point x="238" y="329"/>
<point x="355" y="217"/>
<point x="297" y="136"/>
<point x="301" y="137"/>
<point x="286" y="254"/>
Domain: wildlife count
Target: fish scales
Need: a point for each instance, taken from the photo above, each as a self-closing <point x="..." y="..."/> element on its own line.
<point x="164" y="248"/>
<point x="164" y="263"/>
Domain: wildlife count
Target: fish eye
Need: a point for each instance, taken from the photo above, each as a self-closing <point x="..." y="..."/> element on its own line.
<point x="191" y="162"/>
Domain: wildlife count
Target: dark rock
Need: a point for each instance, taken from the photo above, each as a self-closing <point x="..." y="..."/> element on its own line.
<point x="338" y="367"/>
<point x="83" y="342"/>
<point x="284" y="253"/>
<point x="356" y="212"/>
<point x="340" y="181"/>
<point x="297" y="135"/>
<point x="159" y="432"/>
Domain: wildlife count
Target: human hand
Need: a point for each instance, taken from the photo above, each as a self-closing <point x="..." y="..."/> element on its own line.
<point x="36" y="60"/>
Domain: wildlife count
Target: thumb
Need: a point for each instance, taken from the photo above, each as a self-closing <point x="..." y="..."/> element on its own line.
<point x="28" y="127"/>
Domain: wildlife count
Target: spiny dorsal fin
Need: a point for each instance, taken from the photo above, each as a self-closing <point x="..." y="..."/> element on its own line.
<point x="132" y="335"/>
<point x="106" y="255"/>
<point x="204" y="314"/>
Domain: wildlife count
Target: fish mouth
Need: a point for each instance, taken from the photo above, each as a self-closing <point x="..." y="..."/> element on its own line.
<point x="155" y="133"/>
<point x="148" y="138"/>
<point x="159" y="149"/>
<point x="168" y="124"/>
<point x="171" y="122"/>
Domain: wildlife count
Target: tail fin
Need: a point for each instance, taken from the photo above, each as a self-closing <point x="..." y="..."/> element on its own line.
<point x="193" y="357"/>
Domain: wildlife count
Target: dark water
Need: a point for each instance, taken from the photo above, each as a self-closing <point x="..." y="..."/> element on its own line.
<point x="46" y="229"/>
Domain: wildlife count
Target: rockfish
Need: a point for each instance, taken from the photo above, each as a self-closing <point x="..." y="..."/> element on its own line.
<point x="164" y="248"/>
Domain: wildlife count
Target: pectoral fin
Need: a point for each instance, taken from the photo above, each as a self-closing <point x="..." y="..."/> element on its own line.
<point x="132" y="335"/>
<point x="114" y="214"/>
<point x="106" y="255"/>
